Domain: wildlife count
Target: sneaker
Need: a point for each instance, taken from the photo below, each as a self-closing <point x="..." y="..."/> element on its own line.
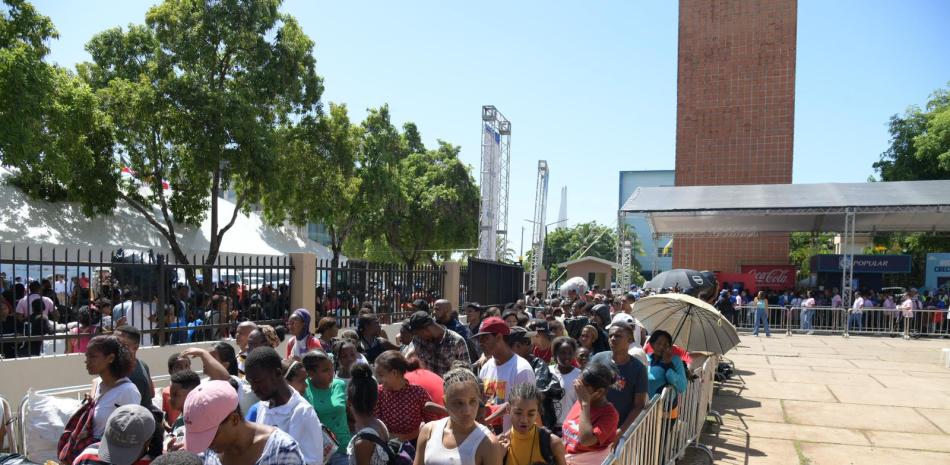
<point x="768" y="335"/>
<point x="810" y="333"/>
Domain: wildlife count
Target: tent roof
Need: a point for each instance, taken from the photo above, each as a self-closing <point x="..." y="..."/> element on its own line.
<point x="58" y="226"/>
<point x="913" y="206"/>
<point x="588" y="259"/>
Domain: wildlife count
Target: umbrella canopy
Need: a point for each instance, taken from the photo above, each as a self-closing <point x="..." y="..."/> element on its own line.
<point x="695" y="325"/>
<point x="576" y="283"/>
<point x="682" y="279"/>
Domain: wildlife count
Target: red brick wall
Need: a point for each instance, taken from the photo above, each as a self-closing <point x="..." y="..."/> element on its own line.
<point x="735" y="112"/>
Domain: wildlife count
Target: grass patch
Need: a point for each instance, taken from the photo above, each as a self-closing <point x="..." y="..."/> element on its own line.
<point x="802" y="460"/>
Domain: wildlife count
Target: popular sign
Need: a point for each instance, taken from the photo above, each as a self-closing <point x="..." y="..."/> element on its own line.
<point x="771" y="276"/>
<point x="862" y="263"/>
<point x="938" y="270"/>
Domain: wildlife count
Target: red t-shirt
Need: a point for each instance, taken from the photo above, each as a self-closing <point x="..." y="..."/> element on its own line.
<point x="429" y="381"/>
<point x="170" y="413"/>
<point x="403" y="411"/>
<point x="604" y="419"/>
<point x="543" y="354"/>
<point x="677" y="350"/>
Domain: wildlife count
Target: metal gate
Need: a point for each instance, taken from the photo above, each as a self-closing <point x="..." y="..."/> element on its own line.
<point x="492" y="283"/>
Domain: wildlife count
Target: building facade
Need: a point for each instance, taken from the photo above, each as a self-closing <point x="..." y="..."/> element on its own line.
<point x="735" y="113"/>
<point x="656" y="253"/>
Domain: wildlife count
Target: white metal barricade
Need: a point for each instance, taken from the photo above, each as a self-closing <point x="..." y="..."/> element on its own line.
<point x="655" y="438"/>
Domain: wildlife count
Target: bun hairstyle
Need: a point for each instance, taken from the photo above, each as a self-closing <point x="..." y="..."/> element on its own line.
<point x="460" y="373"/>
<point x="598" y="376"/>
<point x="362" y="392"/>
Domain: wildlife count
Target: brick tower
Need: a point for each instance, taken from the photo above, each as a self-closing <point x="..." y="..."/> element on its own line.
<point x="735" y="113"/>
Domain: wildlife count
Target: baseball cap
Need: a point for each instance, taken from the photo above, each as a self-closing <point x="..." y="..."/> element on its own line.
<point x="129" y="429"/>
<point x="493" y="325"/>
<point x="622" y="317"/>
<point x="420" y="304"/>
<point x="519" y="334"/>
<point x="420" y="320"/>
<point x="473" y="305"/>
<point x="205" y="408"/>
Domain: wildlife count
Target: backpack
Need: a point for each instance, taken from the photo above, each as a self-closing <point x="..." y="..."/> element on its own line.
<point x="400" y="453"/>
<point x="544" y="444"/>
<point x="77" y="435"/>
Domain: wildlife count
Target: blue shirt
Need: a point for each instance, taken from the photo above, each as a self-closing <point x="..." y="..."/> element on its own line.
<point x="660" y="374"/>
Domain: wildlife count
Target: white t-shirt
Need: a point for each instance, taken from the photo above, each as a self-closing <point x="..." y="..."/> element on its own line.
<point x="637" y="352"/>
<point x="137" y="313"/>
<point x="59" y="287"/>
<point x="858" y="307"/>
<point x="123" y="393"/>
<point x="298" y="419"/>
<point x="499" y="380"/>
<point x="567" y="384"/>
<point x="809" y="302"/>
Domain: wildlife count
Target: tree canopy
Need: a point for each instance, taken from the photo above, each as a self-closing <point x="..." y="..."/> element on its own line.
<point x="920" y="143"/>
<point x="564" y="244"/>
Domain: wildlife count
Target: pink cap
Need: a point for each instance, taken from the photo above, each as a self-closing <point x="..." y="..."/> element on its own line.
<point x="206" y="407"/>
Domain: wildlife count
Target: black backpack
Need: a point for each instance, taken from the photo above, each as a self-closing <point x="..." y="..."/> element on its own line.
<point x="544" y="444"/>
<point x="400" y="453"/>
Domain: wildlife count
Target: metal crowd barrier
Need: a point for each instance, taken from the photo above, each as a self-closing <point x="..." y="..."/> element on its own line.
<point x="837" y="320"/>
<point x="8" y="420"/>
<point x="655" y="438"/>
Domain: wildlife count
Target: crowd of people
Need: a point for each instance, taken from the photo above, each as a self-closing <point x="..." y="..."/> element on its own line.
<point x="553" y="383"/>
<point x="918" y="312"/>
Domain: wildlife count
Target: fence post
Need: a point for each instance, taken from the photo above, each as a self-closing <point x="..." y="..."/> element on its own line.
<point x="451" y="282"/>
<point x="303" y="284"/>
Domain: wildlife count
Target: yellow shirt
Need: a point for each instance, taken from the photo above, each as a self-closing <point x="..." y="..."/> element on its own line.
<point x="524" y="449"/>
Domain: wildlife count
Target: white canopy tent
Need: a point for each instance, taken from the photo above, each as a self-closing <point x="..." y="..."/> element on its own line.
<point x="25" y="222"/>
<point x="749" y="210"/>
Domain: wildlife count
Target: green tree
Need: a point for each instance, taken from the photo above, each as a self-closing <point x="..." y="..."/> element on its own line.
<point x="919" y="150"/>
<point x="920" y="143"/>
<point x="51" y="131"/>
<point x="200" y="96"/>
<point x="804" y="245"/>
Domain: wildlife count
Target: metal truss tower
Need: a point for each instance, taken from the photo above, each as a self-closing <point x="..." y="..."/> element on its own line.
<point x="493" y="213"/>
<point x="624" y="252"/>
<point x="537" y="232"/>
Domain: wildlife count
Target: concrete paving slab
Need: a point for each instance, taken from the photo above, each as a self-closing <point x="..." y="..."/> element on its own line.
<point x="852" y="416"/>
<point x="806" y="433"/>
<point x="836" y="454"/>
<point x="929" y="442"/>
<point x="795" y="391"/>
<point x="811" y="362"/>
<point x="750" y="408"/>
<point x="783" y="375"/>
<point x="941" y="418"/>
<point x="913" y="384"/>
<point x="899" y="366"/>
<point x="870" y="395"/>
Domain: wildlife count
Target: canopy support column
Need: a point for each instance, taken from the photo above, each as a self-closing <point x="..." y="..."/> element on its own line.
<point x="847" y="266"/>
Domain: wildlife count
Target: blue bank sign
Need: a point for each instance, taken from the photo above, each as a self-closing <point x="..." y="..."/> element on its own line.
<point x="937" y="270"/>
<point x="862" y="263"/>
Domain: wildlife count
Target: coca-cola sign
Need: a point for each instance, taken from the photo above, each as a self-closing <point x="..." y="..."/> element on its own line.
<point x="771" y="276"/>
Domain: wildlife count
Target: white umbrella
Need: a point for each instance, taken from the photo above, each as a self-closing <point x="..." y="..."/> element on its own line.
<point x="695" y="325"/>
<point x="576" y="283"/>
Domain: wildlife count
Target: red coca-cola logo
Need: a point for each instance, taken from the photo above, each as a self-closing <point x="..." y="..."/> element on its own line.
<point x="771" y="276"/>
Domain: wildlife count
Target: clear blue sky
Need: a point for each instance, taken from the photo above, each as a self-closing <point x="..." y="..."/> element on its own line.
<point x="589" y="86"/>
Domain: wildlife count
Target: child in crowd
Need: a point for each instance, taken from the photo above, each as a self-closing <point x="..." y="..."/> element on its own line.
<point x="526" y="442"/>
<point x="327" y="395"/>
<point x="591" y="426"/>
<point x="295" y="375"/>
<point x="369" y="446"/>
<point x="458" y="439"/>
<point x="565" y="372"/>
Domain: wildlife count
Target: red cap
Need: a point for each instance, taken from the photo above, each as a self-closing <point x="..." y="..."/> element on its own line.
<point x="493" y="325"/>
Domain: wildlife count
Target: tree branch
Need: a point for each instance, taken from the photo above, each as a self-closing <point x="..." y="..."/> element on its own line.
<point x="238" y="204"/>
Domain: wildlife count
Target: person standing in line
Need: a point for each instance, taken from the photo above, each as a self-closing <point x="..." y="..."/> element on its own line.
<point x="458" y="439"/>
<point x="591" y="426"/>
<point x="111" y="361"/>
<point x="215" y="427"/>
<point x="761" y="305"/>
<point x="125" y="440"/>
<point x="808" y="313"/>
<point x="628" y="391"/>
<point x="281" y="406"/>
<point x="856" y="314"/>
<point x="503" y="369"/>
<point x="369" y="446"/>
<point x="565" y="372"/>
<point x="299" y="326"/>
<point x="327" y="395"/>
<point x="437" y="347"/>
<point x="526" y="442"/>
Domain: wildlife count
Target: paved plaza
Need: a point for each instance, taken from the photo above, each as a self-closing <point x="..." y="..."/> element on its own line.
<point x="829" y="400"/>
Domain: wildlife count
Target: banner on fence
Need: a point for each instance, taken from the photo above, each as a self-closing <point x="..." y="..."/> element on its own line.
<point x="937" y="270"/>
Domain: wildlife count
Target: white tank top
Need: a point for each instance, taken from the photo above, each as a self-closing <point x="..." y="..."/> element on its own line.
<point x="464" y="454"/>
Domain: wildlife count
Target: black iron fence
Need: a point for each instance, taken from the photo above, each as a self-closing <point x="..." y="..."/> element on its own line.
<point x="54" y="302"/>
<point x="388" y="289"/>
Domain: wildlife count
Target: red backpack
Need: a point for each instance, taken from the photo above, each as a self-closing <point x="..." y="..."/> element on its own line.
<point x="78" y="433"/>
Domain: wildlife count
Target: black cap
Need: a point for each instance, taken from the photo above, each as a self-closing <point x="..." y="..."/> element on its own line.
<point x="420" y="304"/>
<point x="420" y="320"/>
<point x="474" y="305"/>
<point x="519" y="334"/>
